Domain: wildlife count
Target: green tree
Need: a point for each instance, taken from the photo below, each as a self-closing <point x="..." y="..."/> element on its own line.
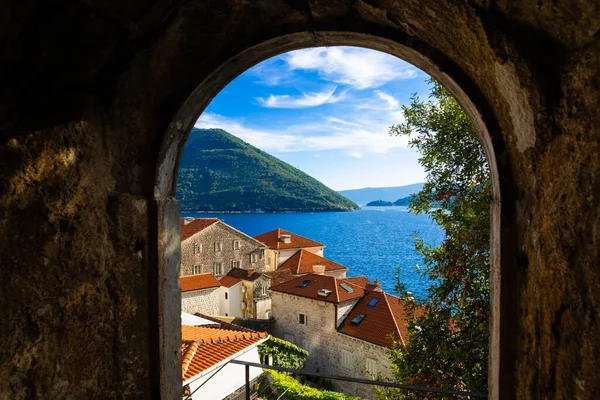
<point x="448" y="335"/>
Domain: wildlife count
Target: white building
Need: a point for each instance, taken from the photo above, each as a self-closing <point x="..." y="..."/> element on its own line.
<point x="207" y="346"/>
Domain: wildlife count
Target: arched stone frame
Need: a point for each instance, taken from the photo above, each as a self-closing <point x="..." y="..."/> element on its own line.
<point x="467" y="94"/>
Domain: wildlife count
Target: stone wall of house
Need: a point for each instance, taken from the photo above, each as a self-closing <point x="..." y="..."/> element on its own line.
<point x="340" y="273"/>
<point x="204" y="301"/>
<point x="205" y="256"/>
<point x="325" y="345"/>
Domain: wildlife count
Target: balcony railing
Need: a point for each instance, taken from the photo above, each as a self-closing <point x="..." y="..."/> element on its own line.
<point x="249" y="365"/>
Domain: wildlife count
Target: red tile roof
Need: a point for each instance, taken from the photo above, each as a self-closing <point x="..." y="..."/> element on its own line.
<point x="245" y="274"/>
<point x="229" y="281"/>
<point x="302" y="262"/>
<point x="204" y="346"/>
<point x="361" y="281"/>
<point x="388" y="316"/>
<point x="317" y="282"/>
<point x="198" y="282"/>
<point x="197" y="225"/>
<point x="271" y="239"/>
<point x="278" y="277"/>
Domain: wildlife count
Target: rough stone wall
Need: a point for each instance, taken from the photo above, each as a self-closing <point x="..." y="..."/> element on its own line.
<point x="325" y="343"/>
<point x="83" y="178"/>
<point x="205" y="301"/>
<point x="208" y="255"/>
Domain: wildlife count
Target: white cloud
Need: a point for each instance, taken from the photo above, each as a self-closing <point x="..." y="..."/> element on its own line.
<point x="306" y="100"/>
<point x="355" y="154"/>
<point x="357" y="67"/>
<point x="391" y="100"/>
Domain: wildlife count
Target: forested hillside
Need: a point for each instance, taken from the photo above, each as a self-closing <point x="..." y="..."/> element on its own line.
<point x="219" y="172"/>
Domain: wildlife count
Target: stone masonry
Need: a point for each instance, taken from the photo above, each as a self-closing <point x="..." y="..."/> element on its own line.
<point x="326" y="346"/>
<point x="205" y="301"/>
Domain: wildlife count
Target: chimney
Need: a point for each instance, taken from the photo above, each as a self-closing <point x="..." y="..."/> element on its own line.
<point x="376" y="286"/>
<point x="319" y="269"/>
<point x="285" y="238"/>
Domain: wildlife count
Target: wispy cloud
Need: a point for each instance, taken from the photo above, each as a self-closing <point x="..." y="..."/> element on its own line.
<point x="355" y="154"/>
<point x="306" y="100"/>
<point x="356" y="67"/>
<point x="389" y="99"/>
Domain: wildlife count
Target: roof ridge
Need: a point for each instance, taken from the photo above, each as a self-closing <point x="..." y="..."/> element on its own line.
<point x="393" y="317"/>
<point x="190" y="352"/>
<point x="337" y="293"/>
<point x="301" y="251"/>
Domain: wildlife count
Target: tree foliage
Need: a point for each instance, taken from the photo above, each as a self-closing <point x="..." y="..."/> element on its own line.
<point x="283" y="353"/>
<point x="288" y="388"/>
<point x="448" y="344"/>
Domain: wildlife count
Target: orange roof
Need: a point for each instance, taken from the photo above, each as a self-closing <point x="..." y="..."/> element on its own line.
<point x="204" y="346"/>
<point x="302" y="262"/>
<point x="244" y="274"/>
<point x="271" y="239"/>
<point x="229" y="281"/>
<point x="387" y="317"/>
<point x="320" y="282"/>
<point x="197" y="282"/>
<point x="279" y="276"/>
<point x="197" y="225"/>
<point x="361" y="281"/>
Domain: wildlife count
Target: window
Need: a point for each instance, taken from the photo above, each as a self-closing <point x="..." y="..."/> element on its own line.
<point x="218" y="246"/>
<point x="373" y="302"/>
<point x="262" y="254"/>
<point x="263" y="290"/>
<point x="346" y="359"/>
<point x="253" y="257"/>
<point x="304" y="283"/>
<point x="371" y="366"/>
<point x="236" y="244"/>
<point x="225" y="295"/>
<point x="306" y="345"/>
<point x="195" y="269"/>
<point x="217" y="269"/>
<point x="358" y="319"/>
<point x="197" y="248"/>
<point x="347" y="288"/>
<point x="236" y="264"/>
<point x="302" y="319"/>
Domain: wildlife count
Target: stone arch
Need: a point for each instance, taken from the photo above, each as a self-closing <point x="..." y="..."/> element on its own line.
<point x="469" y="96"/>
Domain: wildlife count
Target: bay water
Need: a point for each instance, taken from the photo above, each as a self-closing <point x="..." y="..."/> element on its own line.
<point x="371" y="241"/>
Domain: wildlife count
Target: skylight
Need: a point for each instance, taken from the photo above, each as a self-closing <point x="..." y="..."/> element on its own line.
<point x="347" y="288"/>
<point x="373" y="302"/>
<point x="304" y="283"/>
<point x="358" y="319"/>
<point x="324" y="292"/>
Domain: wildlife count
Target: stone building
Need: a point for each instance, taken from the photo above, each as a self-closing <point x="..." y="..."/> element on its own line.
<point x="283" y="245"/>
<point x="305" y="262"/>
<point x="210" y="245"/>
<point x="344" y="324"/>
<point x="200" y="294"/>
<point x="97" y="101"/>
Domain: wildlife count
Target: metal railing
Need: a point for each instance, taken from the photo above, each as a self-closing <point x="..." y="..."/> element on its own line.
<point x="248" y="364"/>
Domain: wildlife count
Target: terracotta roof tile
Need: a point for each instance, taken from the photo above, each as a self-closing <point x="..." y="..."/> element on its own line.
<point x="388" y="316"/>
<point x="271" y="239"/>
<point x="228" y="281"/>
<point x="197" y="225"/>
<point x="198" y="282"/>
<point x="361" y="281"/>
<point x="204" y="346"/>
<point x="245" y="274"/>
<point x="302" y="262"/>
<point x="279" y="276"/>
<point x="319" y="282"/>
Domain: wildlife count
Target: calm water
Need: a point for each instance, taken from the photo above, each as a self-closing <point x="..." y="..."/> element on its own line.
<point x="372" y="241"/>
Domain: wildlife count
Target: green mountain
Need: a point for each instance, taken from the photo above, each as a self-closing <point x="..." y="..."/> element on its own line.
<point x="219" y="172"/>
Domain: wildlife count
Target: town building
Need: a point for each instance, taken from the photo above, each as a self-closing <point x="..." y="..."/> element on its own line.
<point x="200" y="294"/>
<point x="210" y="245"/>
<point x="282" y="245"/>
<point x="344" y="324"/>
<point x="207" y="347"/>
<point x="305" y="262"/>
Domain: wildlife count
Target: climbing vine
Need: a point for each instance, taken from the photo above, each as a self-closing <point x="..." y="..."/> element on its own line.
<point x="282" y="353"/>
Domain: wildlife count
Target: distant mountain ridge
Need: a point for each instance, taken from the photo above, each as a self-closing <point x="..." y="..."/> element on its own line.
<point x="366" y="195"/>
<point x="220" y="172"/>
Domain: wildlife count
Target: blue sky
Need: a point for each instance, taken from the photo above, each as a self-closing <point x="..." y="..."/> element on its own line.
<point x="326" y="111"/>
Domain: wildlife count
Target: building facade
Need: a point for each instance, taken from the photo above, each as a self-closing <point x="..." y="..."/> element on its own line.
<point x="200" y="294"/>
<point x="344" y="327"/>
<point x="283" y="244"/>
<point x="210" y="245"/>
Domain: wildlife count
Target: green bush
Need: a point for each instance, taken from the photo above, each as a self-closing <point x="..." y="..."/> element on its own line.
<point x="284" y="353"/>
<point x="291" y="389"/>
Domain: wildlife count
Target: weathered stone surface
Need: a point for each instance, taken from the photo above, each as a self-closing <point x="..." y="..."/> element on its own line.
<point x="97" y="97"/>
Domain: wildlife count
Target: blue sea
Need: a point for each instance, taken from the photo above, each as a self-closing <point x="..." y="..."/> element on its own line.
<point x="372" y="241"/>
